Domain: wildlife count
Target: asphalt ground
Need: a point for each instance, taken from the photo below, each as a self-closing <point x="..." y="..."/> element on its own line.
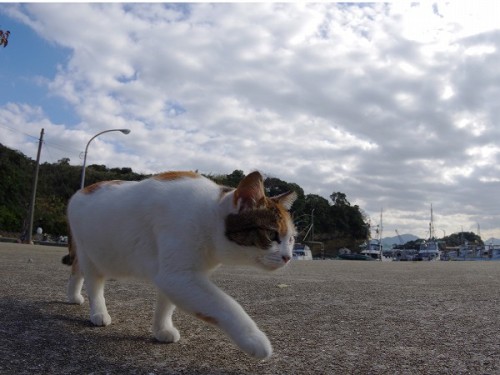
<point x="322" y="317"/>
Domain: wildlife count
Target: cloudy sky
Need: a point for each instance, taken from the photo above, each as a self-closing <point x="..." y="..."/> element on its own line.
<point x="395" y="105"/>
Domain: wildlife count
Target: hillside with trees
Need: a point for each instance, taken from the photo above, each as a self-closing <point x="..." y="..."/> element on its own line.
<point x="453" y="240"/>
<point x="334" y="223"/>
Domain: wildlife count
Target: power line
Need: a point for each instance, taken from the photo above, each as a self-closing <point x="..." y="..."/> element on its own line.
<point x="46" y="143"/>
<point x="61" y="148"/>
<point x="18" y="131"/>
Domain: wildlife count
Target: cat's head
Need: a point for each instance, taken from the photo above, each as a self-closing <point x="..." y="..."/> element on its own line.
<point x="261" y="226"/>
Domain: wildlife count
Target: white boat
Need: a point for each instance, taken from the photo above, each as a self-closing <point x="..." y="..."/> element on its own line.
<point x="373" y="249"/>
<point x="492" y="252"/>
<point x="404" y="254"/>
<point x="470" y="252"/>
<point x="302" y="252"/>
<point x="429" y="250"/>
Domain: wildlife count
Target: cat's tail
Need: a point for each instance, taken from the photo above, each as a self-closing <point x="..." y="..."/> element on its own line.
<point x="69" y="258"/>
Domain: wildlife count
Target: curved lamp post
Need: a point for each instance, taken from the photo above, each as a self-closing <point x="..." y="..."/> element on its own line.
<point x="124" y="131"/>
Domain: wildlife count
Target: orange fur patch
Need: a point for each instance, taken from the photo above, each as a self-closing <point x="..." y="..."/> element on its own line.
<point x="283" y="216"/>
<point x="206" y="318"/>
<point x="94" y="187"/>
<point x="169" y="176"/>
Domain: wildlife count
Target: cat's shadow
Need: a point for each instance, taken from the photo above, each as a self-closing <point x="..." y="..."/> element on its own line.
<point x="84" y="322"/>
<point x="64" y="316"/>
<point x="61" y="339"/>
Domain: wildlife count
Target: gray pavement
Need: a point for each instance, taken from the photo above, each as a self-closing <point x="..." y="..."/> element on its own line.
<point x="323" y="317"/>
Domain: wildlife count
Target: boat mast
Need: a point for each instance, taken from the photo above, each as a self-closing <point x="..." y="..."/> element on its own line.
<point x="431" y="226"/>
<point x="380" y="234"/>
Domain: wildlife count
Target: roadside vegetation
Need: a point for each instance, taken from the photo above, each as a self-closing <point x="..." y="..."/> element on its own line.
<point x="337" y="223"/>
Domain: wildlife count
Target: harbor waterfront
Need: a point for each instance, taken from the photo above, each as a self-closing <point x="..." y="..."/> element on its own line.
<point x="322" y="317"/>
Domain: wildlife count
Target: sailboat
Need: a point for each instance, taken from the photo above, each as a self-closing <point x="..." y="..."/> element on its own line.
<point x="429" y="249"/>
<point x="374" y="248"/>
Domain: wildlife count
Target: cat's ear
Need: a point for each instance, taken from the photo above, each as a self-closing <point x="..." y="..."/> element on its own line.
<point x="286" y="199"/>
<point x="250" y="192"/>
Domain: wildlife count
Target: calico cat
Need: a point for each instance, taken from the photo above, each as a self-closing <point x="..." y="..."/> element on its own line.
<point x="174" y="229"/>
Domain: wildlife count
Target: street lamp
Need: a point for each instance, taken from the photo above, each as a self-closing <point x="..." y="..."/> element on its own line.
<point x="124" y="131"/>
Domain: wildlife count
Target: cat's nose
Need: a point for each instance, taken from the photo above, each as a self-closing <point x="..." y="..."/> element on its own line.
<point x="285" y="258"/>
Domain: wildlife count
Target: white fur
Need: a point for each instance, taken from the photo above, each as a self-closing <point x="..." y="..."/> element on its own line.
<point x="173" y="234"/>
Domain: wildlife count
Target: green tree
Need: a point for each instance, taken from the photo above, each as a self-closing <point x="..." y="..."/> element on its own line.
<point x="274" y="186"/>
<point x="349" y="220"/>
<point x="230" y="180"/>
<point x="234" y="178"/>
<point x="50" y="214"/>
<point x="16" y="171"/>
<point x="457" y="239"/>
<point x="338" y="224"/>
<point x="317" y="208"/>
<point x="339" y="199"/>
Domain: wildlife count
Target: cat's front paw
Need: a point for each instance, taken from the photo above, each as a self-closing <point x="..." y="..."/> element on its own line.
<point x="167" y="335"/>
<point x="100" y="319"/>
<point x="256" y="344"/>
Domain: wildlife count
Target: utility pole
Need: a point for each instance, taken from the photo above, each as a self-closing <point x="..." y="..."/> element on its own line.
<point x="33" y="190"/>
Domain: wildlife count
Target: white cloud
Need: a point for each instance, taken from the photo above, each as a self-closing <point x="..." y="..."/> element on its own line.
<point x="393" y="104"/>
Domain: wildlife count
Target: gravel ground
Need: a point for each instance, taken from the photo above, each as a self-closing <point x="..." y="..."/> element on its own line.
<point x="323" y="317"/>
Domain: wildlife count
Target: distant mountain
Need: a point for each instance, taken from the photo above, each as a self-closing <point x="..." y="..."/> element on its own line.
<point x="387" y="242"/>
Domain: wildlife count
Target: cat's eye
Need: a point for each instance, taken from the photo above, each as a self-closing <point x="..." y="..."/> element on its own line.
<point x="274" y="236"/>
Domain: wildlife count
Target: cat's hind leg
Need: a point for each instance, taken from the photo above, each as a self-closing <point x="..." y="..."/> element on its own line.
<point x="94" y="284"/>
<point x="75" y="282"/>
<point x="163" y="328"/>
<point x="74" y="290"/>
<point x="98" y="312"/>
